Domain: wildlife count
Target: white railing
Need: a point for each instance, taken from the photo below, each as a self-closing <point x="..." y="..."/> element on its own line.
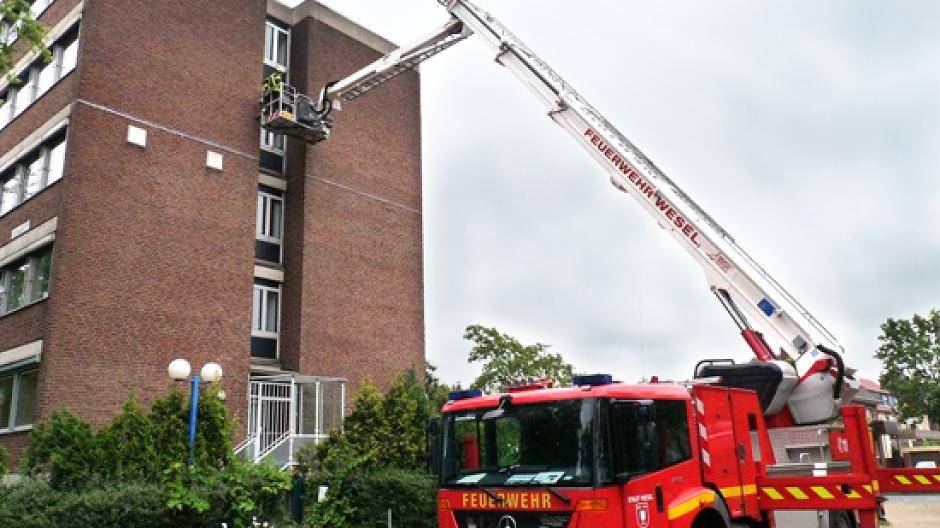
<point x="288" y="412"/>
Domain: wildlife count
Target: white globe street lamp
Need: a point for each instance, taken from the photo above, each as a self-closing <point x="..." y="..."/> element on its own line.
<point x="211" y="372"/>
<point x="180" y="370"/>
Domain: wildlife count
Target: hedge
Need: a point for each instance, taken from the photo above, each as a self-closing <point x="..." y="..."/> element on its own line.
<point x="362" y="499"/>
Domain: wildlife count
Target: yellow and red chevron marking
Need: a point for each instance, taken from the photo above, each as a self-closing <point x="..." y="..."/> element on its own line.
<point x="909" y="480"/>
<point x="812" y="493"/>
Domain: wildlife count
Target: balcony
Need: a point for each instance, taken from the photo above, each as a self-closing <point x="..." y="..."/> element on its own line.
<point x="287" y="412"/>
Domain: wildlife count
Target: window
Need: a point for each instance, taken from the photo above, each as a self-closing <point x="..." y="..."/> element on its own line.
<point x="276" y="45"/>
<point x="38" y="169"/>
<point x="18" y="399"/>
<point x="272" y="142"/>
<point x="522" y="444"/>
<point x="25" y="93"/>
<point x="39" y="77"/>
<point x="265" y="319"/>
<point x="266" y="310"/>
<point x="39" y="6"/>
<point x="269" y="230"/>
<point x="25" y="281"/>
<point x="270" y="217"/>
<point x="645" y="437"/>
<point x="9" y="32"/>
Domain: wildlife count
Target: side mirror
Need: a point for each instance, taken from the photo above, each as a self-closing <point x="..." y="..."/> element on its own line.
<point x="434" y="446"/>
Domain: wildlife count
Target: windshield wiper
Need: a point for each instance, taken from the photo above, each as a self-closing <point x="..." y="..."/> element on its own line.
<point x="561" y="496"/>
<point x="496" y="498"/>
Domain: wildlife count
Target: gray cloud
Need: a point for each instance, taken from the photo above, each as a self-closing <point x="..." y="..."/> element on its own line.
<point x="810" y="131"/>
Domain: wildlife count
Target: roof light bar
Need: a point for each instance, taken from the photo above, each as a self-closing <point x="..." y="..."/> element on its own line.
<point x="464" y="394"/>
<point x="592" y="380"/>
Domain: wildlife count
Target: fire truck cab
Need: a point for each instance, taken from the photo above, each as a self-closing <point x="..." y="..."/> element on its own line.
<point x="601" y="454"/>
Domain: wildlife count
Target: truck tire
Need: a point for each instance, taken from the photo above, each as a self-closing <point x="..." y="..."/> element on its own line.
<point x="841" y="519"/>
<point x="709" y="519"/>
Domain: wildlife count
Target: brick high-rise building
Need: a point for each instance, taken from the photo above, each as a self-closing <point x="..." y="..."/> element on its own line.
<point x="146" y="217"/>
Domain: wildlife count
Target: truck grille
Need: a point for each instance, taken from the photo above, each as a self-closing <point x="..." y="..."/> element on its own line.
<point x="512" y="520"/>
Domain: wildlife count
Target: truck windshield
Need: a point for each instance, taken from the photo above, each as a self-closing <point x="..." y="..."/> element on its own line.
<point x="537" y="444"/>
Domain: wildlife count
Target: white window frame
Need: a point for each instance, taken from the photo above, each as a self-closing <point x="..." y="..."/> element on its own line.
<point x="14" y="402"/>
<point x="263" y="229"/>
<point x="272" y="61"/>
<point x="265" y="291"/>
<point x="32" y="70"/>
<point x="21" y="168"/>
<point x="267" y="142"/>
<point x="37" y="12"/>
<point x="29" y="285"/>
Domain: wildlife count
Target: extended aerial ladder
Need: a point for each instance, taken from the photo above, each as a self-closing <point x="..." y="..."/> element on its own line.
<point x="813" y="380"/>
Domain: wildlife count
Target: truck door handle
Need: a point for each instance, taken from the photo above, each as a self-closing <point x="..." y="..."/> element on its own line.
<point x="660" y="502"/>
<point x="742" y="456"/>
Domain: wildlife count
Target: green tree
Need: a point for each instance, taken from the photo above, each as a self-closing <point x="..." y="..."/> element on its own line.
<point x="17" y="14"/>
<point x="506" y="360"/>
<point x="436" y="390"/>
<point x="378" y="461"/>
<point x="383" y="431"/>
<point x="65" y="449"/>
<point x="136" y="445"/>
<point x="910" y="351"/>
<point x="128" y="443"/>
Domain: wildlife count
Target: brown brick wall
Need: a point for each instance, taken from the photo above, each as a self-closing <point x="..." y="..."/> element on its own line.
<point x="15" y="443"/>
<point x="153" y="259"/>
<point x="23" y="326"/>
<point x="153" y="256"/>
<point x="195" y="66"/>
<point x="360" y="282"/>
<point x="153" y="262"/>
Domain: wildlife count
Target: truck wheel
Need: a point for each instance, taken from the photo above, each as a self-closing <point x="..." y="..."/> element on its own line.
<point x="709" y="519"/>
<point x="841" y="519"/>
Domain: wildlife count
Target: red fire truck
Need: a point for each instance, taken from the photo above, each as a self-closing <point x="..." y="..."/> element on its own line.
<point x="602" y="454"/>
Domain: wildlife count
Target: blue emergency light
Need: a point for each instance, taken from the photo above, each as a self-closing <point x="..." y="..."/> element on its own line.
<point x="464" y="394"/>
<point x="592" y="380"/>
<point x="766" y="307"/>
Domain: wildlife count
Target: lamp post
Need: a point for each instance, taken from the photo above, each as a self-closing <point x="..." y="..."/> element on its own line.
<point x="180" y="370"/>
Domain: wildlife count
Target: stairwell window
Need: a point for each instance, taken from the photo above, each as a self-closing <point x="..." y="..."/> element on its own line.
<point x="266" y="319"/>
<point x="270" y="217"/>
<point x="29" y="175"/>
<point x="18" y="400"/>
<point x="269" y="226"/>
<point x="272" y="142"/>
<point x="276" y="45"/>
<point x="25" y="281"/>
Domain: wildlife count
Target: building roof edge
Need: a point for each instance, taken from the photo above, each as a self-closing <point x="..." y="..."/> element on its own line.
<point x="318" y="11"/>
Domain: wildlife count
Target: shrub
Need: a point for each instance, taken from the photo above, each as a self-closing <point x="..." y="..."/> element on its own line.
<point x="206" y="497"/>
<point x="136" y="445"/>
<point x="65" y="449"/>
<point x="361" y="499"/>
<point x="35" y="504"/>
<point x="378" y="461"/>
<point x="235" y="494"/>
<point x="383" y="431"/>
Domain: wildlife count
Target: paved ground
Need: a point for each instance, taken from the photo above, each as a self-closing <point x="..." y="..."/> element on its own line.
<point x="913" y="512"/>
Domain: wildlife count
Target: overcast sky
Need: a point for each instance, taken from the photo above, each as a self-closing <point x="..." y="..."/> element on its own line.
<point x="809" y="130"/>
